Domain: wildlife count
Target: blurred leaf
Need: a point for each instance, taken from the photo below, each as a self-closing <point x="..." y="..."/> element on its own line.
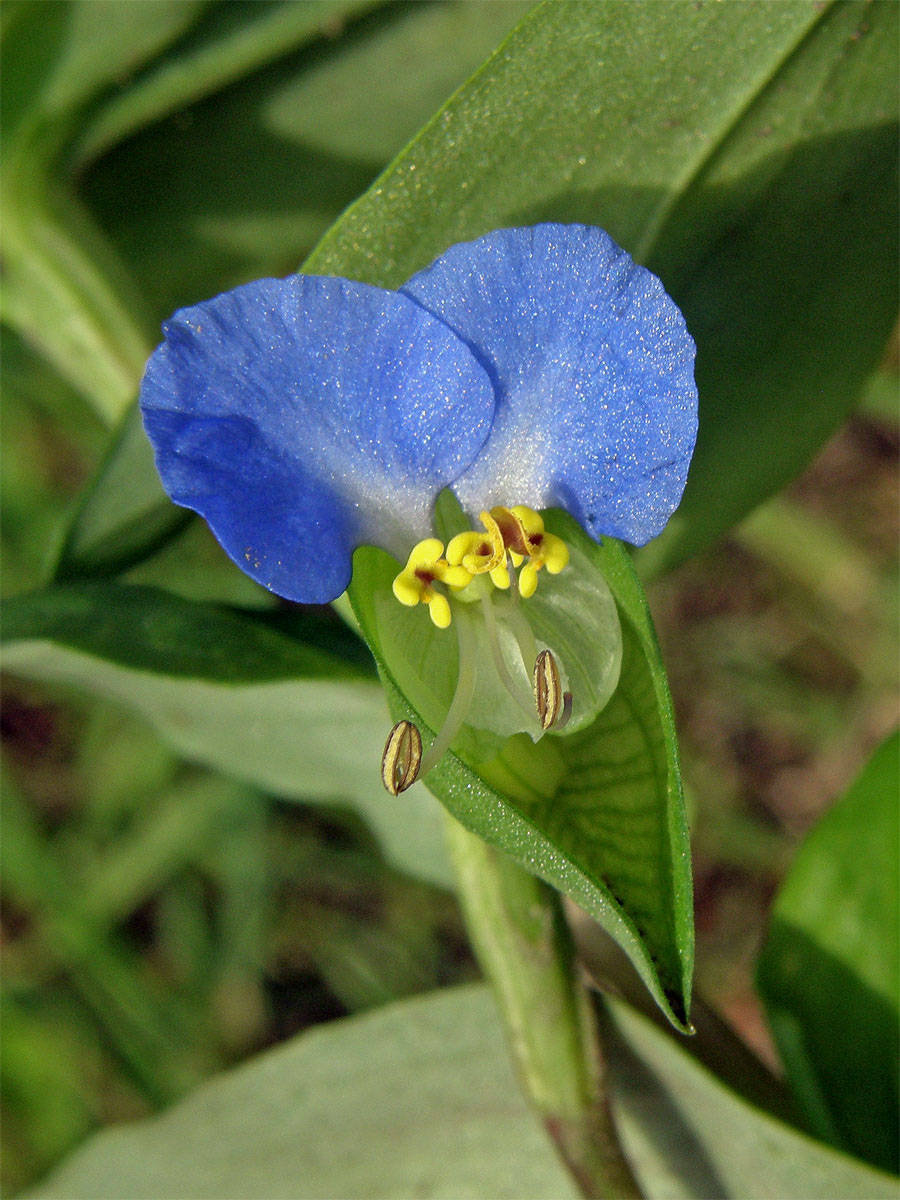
<point x="599" y="813"/>
<point x="49" y="440"/>
<point x="148" y="1030"/>
<point x="236" y="39"/>
<point x="31" y="380"/>
<point x="830" y="968"/>
<point x="193" y="565"/>
<point x="46" y="1108"/>
<point x="688" y="1136"/>
<point x="243" y="184"/>
<point x="365" y="964"/>
<point x="836" y="584"/>
<point x="124" y="513"/>
<point x="415" y="1097"/>
<point x="57" y="57"/>
<point x="65" y="294"/>
<point x="167" y="837"/>
<point x="64" y="290"/>
<point x="294" y="714"/>
<point x="371" y="1106"/>
<point x="437" y="45"/>
<point x="745" y="152"/>
<point x="880" y="395"/>
<point x="120" y="766"/>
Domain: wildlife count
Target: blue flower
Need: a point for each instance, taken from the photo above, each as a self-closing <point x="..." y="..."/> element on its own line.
<point x="529" y="369"/>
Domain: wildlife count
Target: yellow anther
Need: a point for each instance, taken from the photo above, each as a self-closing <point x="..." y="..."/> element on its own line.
<point x="512" y="538"/>
<point x="554" y="553"/>
<point x="531" y="521"/>
<point x="500" y="577"/>
<point x="438" y="609"/>
<point x="528" y="580"/>
<point x="525" y="537"/>
<point x="479" y="553"/>
<point x="515" y="529"/>
<point x="423" y="569"/>
<point x="470" y="544"/>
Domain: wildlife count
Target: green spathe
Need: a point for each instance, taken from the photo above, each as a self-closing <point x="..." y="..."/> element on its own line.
<point x="573" y="614"/>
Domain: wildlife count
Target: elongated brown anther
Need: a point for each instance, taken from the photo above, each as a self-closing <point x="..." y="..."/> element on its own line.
<point x="549" y="698"/>
<point x="402" y="758"/>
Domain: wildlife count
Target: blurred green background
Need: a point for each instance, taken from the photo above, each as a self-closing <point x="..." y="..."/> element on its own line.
<point x="161" y="921"/>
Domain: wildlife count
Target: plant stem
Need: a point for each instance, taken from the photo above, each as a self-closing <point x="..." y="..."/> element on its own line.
<point x="522" y="941"/>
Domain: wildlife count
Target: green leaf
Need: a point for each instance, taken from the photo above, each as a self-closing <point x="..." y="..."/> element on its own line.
<point x="235" y="40"/>
<point x="795" y="297"/>
<point x="419" y="1097"/>
<point x="415" y="1098"/>
<point x="292" y="710"/>
<point x="64" y="289"/>
<point x="64" y="292"/>
<point x="745" y="152"/>
<point x="124" y="514"/>
<point x="147" y="630"/>
<point x="829" y="972"/>
<point x="58" y="57"/>
<point x="688" y="1136"/>
<point x="599" y="814"/>
<point x="317" y="128"/>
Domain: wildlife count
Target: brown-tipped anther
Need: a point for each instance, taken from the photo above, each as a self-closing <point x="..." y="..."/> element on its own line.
<point x="549" y="698"/>
<point x="402" y="758"/>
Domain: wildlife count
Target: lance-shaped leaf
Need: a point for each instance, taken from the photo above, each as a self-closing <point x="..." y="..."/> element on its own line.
<point x="295" y="713"/>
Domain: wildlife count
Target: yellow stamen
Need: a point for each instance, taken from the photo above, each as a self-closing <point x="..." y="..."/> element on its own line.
<point x="525" y="537"/>
<point x="513" y="539"/>
<point x="479" y="553"/>
<point x="500" y="577"/>
<point x="528" y="580"/>
<point x="424" y="568"/>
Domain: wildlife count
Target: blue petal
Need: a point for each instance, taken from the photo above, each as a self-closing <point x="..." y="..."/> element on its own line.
<point x="306" y="416"/>
<point x="593" y="365"/>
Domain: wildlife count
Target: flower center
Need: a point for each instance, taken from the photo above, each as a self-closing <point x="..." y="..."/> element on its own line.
<point x="507" y="555"/>
<point x="513" y="539"/>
